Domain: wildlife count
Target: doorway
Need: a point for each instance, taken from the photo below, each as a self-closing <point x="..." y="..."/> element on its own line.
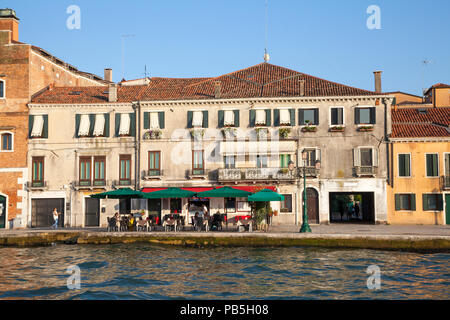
<point x="2" y="212"/>
<point x="154" y="208"/>
<point x="41" y="212"/>
<point x="312" y="205"/>
<point x="92" y="212"/>
<point x="352" y="207"/>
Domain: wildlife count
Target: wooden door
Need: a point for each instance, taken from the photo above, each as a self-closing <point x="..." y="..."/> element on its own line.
<point x="312" y="205"/>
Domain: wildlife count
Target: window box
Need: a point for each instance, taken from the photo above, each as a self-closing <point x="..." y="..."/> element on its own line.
<point x="309" y="128"/>
<point x="337" y="129"/>
<point x="284" y="132"/>
<point x="365" y="128"/>
<point x="229" y="132"/>
<point x="153" y="135"/>
<point x="197" y="133"/>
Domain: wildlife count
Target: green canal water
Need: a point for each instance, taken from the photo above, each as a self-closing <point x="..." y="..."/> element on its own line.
<point x="143" y="271"/>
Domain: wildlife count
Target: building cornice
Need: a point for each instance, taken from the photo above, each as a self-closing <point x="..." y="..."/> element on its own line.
<point x="80" y="105"/>
<point x="425" y="139"/>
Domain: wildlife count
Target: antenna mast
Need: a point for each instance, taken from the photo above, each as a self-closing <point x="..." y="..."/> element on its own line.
<point x="266" y="55"/>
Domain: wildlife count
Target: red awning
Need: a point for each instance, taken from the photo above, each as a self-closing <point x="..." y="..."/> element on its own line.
<point x="252" y="189"/>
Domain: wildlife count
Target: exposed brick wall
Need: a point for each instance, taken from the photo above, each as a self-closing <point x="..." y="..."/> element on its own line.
<point x="9" y="187"/>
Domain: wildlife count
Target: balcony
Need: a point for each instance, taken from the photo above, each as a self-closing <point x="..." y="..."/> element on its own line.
<point x="89" y="184"/>
<point x="445" y="182"/>
<point x="37" y="185"/>
<point x="256" y="174"/>
<point x="311" y="172"/>
<point x="152" y="174"/>
<point x="198" y="174"/>
<point x="123" y="183"/>
<point x="230" y="174"/>
<point x="366" y="171"/>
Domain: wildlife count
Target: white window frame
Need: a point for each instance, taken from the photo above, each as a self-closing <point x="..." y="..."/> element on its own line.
<point x="366" y="124"/>
<point x="292" y="204"/>
<point x="1" y="141"/>
<point x="398" y="165"/>
<point x="309" y="108"/>
<point x="330" y="115"/>
<point x="318" y="154"/>
<point x="4" y="89"/>
<point x="374" y="149"/>
<point x="438" y="164"/>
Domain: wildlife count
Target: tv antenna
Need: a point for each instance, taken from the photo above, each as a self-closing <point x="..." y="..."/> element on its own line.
<point x="123" y="52"/>
<point x="424" y="63"/>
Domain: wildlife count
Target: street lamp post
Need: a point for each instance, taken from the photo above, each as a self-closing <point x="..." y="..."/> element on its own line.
<point x="305" y="226"/>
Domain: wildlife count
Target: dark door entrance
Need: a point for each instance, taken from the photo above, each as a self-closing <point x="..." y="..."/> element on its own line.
<point x="447" y="209"/>
<point x="154" y="208"/>
<point x="41" y="212"/>
<point x="352" y="207"/>
<point x="124" y="206"/>
<point x="92" y="212"/>
<point x="2" y="212"/>
<point x="312" y="205"/>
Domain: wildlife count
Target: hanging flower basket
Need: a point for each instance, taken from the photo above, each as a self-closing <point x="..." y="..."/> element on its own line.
<point x="284" y="132"/>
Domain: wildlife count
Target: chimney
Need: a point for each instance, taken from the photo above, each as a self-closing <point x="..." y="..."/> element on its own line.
<point x="217" y="89"/>
<point x="302" y="87"/>
<point x="9" y="22"/>
<point x="112" y="92"/>
<point x="377" y="81"/>
<point x="108" y="75"/>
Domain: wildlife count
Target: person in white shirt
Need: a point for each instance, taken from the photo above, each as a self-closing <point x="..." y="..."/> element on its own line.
<point x="55" y="217"/>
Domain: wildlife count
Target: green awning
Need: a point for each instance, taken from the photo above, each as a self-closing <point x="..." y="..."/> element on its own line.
<point x="225" y="192"/>
<point x="266" y="195"/>
<point x="123" y="193"/>
<point x="169" y="193"/>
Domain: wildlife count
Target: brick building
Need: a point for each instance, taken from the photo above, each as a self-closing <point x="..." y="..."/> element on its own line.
<point x="24" y="71"/>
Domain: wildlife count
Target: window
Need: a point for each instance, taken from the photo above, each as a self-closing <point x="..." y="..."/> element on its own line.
<point x="432" y="164"/>
<point x="405" y="202"/>
<point x="37" y="176"/>
<point x="125" y="121"/>
<point x="228" y="119"/>
<point x="99" y="171"/>
<point x="99" y="127"/>
<point x="284" y="160"/>
<point x="84" y="127"/>
<point x="404" y="165"/>
<point x="197" y="162"/>
<point x="154" y="163"/>
<point x="153" y="120"/>
<point x="2" y="89"/>
<point x="432" y="202"/>
<point x="337" y="116"/>
<point x="286" y="205"/>
<point x="366" y="157"/>
<point x="229" y="162"/>
<point x="38" y="126"/>
<point x="285" y="117"/>
<point x="365" y="115"/>
<point x="447" y="164"/>
<point x="6" y="142"/>
<point x="125" y="169"/>
<point x="308" y="116"/>
<point x="197" y="119"/>
<point x="310" y="157"/>
<point x="85" y="171"/>
<point x="261" y="161"/>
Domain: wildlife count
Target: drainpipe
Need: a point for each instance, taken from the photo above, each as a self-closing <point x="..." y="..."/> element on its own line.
<point x="137" y="144"/>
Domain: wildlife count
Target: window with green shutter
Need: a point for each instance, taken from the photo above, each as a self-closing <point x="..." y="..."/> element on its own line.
<point x="284" y="160"/>
<point x="405" y="202"/>
<point x="404" y="165"/>
<point x="432" y="202"/>
<point x="432" y="164"/>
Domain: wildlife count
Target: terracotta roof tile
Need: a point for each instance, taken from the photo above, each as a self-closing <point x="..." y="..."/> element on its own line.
<point x="421" y="122"/>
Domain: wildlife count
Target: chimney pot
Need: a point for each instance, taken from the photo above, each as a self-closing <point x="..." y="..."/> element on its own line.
<point x="217" y="89"/>
<point x="112" y="92"/>
<point x="377" y="81"/>
<point x="108" y="75"/>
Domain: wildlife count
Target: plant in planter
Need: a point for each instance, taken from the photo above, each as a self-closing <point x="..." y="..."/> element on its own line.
<point x="337" y="129"/>
<point x="197" y="133"/>
<point x="365" y="128"/>
<point x="284" y="132"/>
<point x="262" y="132"/>
<point x="152" y="134"/>
<point x="309" y="127"/>
<point x="229" y="132"/>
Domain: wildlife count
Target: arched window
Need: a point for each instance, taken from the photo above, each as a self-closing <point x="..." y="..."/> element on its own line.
<point x="2" y="88"/>
<point x="6" y="141"/>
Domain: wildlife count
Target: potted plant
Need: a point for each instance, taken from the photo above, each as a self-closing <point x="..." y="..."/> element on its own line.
<point x="229" y="132"/>
<point x="197" y="133"/>
<point x="337" y="129"/>
<point x="284" y="132"/>
<point x="152" y="134"/>
<point x="275" y="213"/>
<point x="365" y="128"/>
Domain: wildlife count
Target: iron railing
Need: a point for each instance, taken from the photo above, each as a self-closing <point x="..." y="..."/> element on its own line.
<point x="365" y="171"/>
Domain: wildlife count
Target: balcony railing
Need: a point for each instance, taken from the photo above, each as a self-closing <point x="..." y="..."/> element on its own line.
<point x="365" y="171"/>
<point x="152" y="174"/>
<point x="89" y="184"/>
<point x="123" y="183"/>
<point x="229" y="174"/>
<point x="309" y="171"/>
<point x="265" y="174"/>
<point x="198" y="174"/>
<point x="445" y="182"/>
<point x="37" y="185"/>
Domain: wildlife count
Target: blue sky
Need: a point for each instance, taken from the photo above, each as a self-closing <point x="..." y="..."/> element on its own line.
<point x="192" y="38"/>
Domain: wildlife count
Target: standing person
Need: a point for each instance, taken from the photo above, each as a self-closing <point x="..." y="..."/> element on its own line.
<point x="205" y="211"/>
<point x="55" y="217"/>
